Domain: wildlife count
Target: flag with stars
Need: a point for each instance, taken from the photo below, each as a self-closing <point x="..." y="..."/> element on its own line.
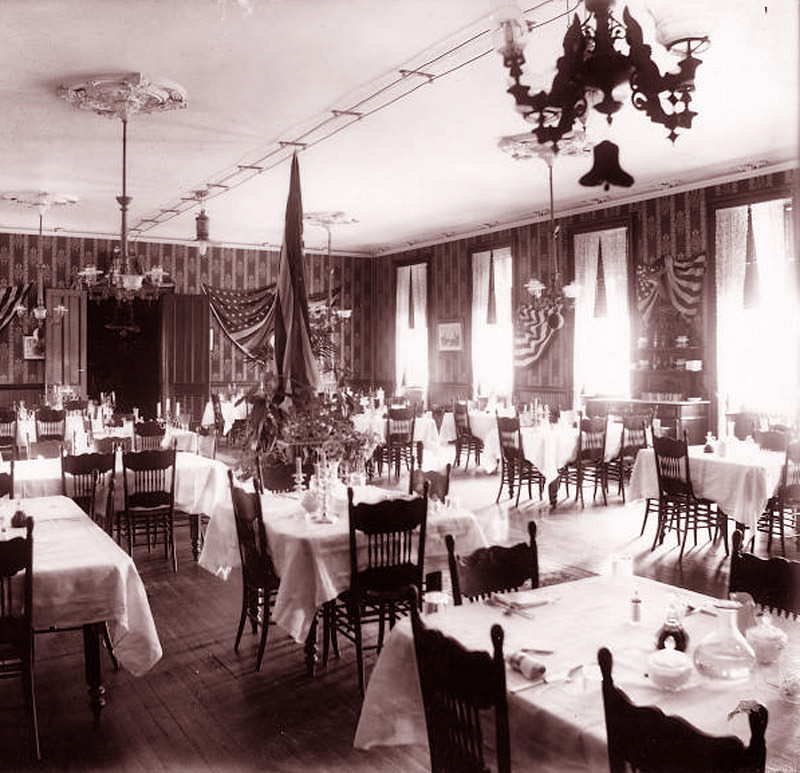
<point x="246" y="317"/>
<point x="535" y="329"/>
<point x="678" y="281"/>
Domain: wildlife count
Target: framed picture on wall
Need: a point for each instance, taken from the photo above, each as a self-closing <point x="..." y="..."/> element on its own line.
<point x="450" y="337"/>
<point x="32" y="347"/>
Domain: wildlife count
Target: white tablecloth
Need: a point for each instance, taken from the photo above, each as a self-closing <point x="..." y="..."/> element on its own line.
<point x="313" y="559"/>
<point x="561" y="726"/>
<point x="82" y="576"/>
<point x="231" y="411"/>
<point x="740" y="482"/>
<point x="373" y="424"/>
<point x="184" y="439"/>
<point x="201" y="484"/>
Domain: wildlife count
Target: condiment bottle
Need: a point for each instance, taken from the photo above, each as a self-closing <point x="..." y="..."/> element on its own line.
<point x="672" y="630"/>
<point x="636" y="607"/>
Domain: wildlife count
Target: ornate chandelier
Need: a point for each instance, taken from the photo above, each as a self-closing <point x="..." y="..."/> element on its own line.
<point x="600" y="54"/>
<point x="122" y="96"/>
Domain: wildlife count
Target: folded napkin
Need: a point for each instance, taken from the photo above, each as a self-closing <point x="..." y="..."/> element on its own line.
<point x="528" y="666"/>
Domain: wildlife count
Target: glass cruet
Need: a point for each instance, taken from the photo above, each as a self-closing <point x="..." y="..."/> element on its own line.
<point x="725" y="653"/>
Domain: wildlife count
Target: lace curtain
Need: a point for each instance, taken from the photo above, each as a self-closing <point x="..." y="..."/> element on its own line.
<point x="492" y="345"/>
<point x="411" y="344"/>
<point x="601" y="362"/>
<point x="757" y="348"/>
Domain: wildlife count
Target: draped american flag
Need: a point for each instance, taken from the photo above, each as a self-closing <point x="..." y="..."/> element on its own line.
<point x="246" y="317"/>
<point x="676" y="280"/>
<point x="10" y="298"/>
<point x="535" y="328"/>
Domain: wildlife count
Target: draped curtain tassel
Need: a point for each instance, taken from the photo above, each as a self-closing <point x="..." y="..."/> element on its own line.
<point x="600" y="305"/>
<point x="751" y="289"/>
<point x="491" y="310"/>
<point x="410" y="298"/>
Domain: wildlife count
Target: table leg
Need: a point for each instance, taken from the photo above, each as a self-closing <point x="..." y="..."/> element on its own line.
<point x="552" y="490"/>
<point x="194" y="534"/>
<point x="91" y="653"/>
<point x="310" y="648"/>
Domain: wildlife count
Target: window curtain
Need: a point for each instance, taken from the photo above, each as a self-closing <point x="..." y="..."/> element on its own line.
<point x="492" y="345"/>
<point x="601" y="362"/>
<point x="411" y="343"/>
<point x="757" y="348"/>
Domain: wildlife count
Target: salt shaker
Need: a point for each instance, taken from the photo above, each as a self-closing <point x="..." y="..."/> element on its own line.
<point x="636" y="607"/>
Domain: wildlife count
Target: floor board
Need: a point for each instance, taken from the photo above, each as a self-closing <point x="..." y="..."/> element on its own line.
<point x="204" y="707"/>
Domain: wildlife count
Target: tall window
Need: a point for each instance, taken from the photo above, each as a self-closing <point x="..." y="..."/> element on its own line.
<point x="492" y="328"/>
<point x="758" y="324"/>
<point x="602" y="335"/>
<point x="411" y="328"/>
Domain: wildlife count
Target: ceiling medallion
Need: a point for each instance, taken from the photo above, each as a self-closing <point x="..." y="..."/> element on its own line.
<point x="123" y="95"/>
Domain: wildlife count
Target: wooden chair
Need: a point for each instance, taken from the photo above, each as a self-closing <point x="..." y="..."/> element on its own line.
<point x="80" y="476"/>
<point x="465" y="439"/>
<point x="633" y="439"/>
<point x="8" y="433"/>
<point x="515" y="469"/>
<point x="589" y="465"/>
<point x="16" y="627"/>
<point x="148" y="479"/>
<point x="219" y="419"/>
<point x="774" y="583"/>
<point x="783" y="509"/>
<point x="148" y="435"/>
<point x="438" y="483"/>
<point x="50" y="424"/>
<point x="649" y="741"/>
<point x="393" y="532"/>
<point x="399" y="445"/>
<point x="274" y="476"/>
<point x="493" y="569"/>
<point x="259" y="581"/>
<point x="458" y="686"/>
<point x="7" y="481"/>
<point x="678" y="507"/>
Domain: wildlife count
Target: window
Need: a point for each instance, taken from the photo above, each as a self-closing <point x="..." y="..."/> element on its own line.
<point x="602" y="340"/>
<point x="758" y="332"/>
<point x="492" y="327"/>
<point x="411" y="328"/>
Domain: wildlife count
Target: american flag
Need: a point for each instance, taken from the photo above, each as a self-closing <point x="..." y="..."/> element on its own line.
<point x="10" y="298"/>
<point x="246" y="317"/>
<point x="677" y="280"/>
<point x="535" y="328"/>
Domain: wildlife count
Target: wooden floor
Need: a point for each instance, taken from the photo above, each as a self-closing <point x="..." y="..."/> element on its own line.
<point x="204" y="708"/>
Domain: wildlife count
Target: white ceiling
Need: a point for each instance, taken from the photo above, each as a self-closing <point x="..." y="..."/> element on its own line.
<point x="423" y="167"/>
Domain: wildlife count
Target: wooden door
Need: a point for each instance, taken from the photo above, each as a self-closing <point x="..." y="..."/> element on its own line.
<point x="184" y="352"/>
<point x="65" y="340"/>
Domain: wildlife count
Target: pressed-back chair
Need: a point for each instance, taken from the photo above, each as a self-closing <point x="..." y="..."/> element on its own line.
<point x="458" y="687"/>
<point x="493" y="569"/>
<point x="8" y="433"/>
<point x="16" y="626"/>
<point x="437" y="481"/>
<point x="399" y="445"/>
<point x="50" y="424"/>
<point x="649" y="741"/>
<point x="387" y="553"/>
<point x="148" y="435"/>
<point x="633" y="439"/>
<point x="466" y="440"/>
<point x="80" y="476"/>
<point x="678" y="507"/>
<point x="783" y="509"/>
<point x="774" y="583"/>
<point x="515" y="469"/>
<point x="148" y="479"/>
<point x="589" y="465"/>
<point x="259" y="580"/>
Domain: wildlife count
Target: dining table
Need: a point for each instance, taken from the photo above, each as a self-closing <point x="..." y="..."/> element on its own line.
<point x="311" y="554"/>
<point x="740" y="479"/>
<point x="84" y="580"/>
<point x="482" y="424"/>
<point x="557" y="722"/>
<point x="232" y="410"/>
<point x="201" y="486"/>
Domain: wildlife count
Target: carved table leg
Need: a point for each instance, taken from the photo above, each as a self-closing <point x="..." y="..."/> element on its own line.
<point x="311" y="648"/>
<point x="553" y="491"/>
<point x="91" y="653"/>
<point x="194" y="534"/>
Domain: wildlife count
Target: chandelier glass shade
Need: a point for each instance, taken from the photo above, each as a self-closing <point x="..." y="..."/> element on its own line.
<point x="599" y="55"/>
<point x="123" y="96"/>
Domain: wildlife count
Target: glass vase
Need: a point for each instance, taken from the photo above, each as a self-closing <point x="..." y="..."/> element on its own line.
<point x="725" y="653"/>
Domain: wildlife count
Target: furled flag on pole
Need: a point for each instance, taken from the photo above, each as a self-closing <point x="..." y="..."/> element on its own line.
<point x="294" y="359"/>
